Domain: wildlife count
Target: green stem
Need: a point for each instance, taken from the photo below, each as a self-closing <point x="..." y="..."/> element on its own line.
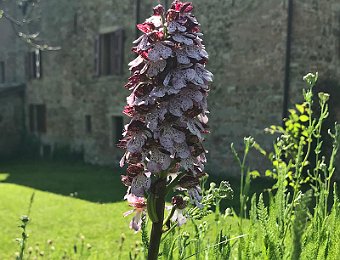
<point x="242" y="195"/>
<point x="159" y="190"/>
<point x="170" y="215"/>
<point x="168" y="231"/>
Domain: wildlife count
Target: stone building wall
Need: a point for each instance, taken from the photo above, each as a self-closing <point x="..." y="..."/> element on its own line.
<point x="69" y="86"/>
<point x="246" y="40"/>
<point x="7" y="52"/>
<point x="11" y="119"/>
<point x="315" y="42"/>
<point x="316" y="47"/>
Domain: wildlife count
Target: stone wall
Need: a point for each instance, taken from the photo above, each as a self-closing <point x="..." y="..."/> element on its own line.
<point x="11" y="119"/>
<point x="70" y="88"/>
<point x="315" y="42"/>
<point x="246" y="41"/>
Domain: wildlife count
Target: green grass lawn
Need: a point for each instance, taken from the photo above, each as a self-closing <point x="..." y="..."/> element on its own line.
<point x="70" y="199"/>
<point x="58" y="216"/>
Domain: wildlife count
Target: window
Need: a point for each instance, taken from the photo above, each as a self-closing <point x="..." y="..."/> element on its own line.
<point x="117" y="127"/>
<point x="34" y="65"/>
<point x="37" y="118"/>
<point x="75" y="22"/>
<point x="88" y="124"/>
<point x="109" y="53"/>
<point x="2" y="72"/>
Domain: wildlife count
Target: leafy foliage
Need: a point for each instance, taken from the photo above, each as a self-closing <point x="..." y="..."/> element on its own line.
<point x="296" y="223"/>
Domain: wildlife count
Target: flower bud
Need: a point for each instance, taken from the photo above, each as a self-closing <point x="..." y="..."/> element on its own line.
<point x="179" y="202"/>
<point x="323" y="97"/>
<point x="188" y="181"/>
<point x="158" y="10"/>
<point x="311" y="78"/>
<point x="25" y="219"/>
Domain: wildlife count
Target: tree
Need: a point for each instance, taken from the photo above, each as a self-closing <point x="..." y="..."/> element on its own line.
<point x="23" y="15"/>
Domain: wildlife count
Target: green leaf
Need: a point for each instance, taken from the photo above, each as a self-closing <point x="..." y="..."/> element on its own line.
<point x="288" y="123"/>
<point x="305" y="133"/>
<point x="305" y="163"/>
<point x="299" y="107"/>
<point x="297" y="125"/>
<point x="1" y="13"/>
<point x="254" y="174"/>
<point x="304" y="118"/>
<point x="268" y="173"/>
<point x="294" y="117"/>
<point x="292" y="111"/>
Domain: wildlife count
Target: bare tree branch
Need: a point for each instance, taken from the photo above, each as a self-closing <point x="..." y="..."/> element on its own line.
<point x="23" y="33"/>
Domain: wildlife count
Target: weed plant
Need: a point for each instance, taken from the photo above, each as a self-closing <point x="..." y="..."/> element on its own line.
<point x="297" y="222"/>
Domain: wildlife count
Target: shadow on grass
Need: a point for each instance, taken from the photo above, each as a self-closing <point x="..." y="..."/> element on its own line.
<point x="86" y="182"/>
<point x="94" y="183"/>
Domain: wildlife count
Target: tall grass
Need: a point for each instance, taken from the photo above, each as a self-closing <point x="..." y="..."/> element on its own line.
<point x="298" y="222"/>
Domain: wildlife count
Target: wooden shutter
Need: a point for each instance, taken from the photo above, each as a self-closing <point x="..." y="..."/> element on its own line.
<point x="2" y="72"/>
<point x="41" y="118"/>
<point x="113" y="53"/>
<point x="31" y="118"/>
<point x="117" y="51"/>
<point x="118" y="127"/>
<point x="34" y="64"/>
<point x="75" y="22"/>
<point x="29" y="65"/>
<point x="105" y="54"/>
<point x="121" y="41"/>
<point x="39" y="64"/>
<point x="88" y="124"/>
<point x="97" y="52"/>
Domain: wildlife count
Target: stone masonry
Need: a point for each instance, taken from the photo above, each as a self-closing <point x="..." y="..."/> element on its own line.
<point x="246" y="40"/>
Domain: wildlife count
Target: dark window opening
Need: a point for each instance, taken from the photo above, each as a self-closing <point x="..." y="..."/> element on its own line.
<point x="75" y="22"/>
<point x="46" y="151"/>
<point x="88" y="124"/>
<point x="109" y="53"/>
<point x="118" y="128"/>
<point x="34" y="65"/>
<point x="37" y="118"/>
<point x="2" y="72"/>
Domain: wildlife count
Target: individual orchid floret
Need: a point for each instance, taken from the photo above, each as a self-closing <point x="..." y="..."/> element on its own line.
<point x="195" y="196"/>
<point x="139" y="205"/>
<point x="158" y="10"/>
<point x="180" y="204"/>
<point x="191" y="184"/>
<point x="137" y="179"/>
